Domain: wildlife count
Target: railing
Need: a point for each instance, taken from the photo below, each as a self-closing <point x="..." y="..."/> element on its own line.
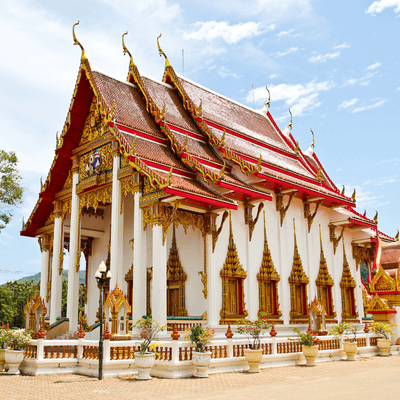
<point x="178" y="351"/>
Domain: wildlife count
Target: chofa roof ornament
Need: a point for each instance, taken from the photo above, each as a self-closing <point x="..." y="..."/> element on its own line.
<point x="290" y="124"/>
<point x="167" y="64"/>
<point x="126" y="51"/>
<point x="76" y="42"/>
<point x="268" y="103"/>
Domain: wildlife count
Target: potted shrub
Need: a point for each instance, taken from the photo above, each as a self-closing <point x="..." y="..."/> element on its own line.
<point x="384" y="330"/>
<point x="253" y="330"/>
<point x="16" y="341"/>
<point x="309" y="343"/>
<point x="145" y="358"/>
<point x="200" y="337"/>
<point x="349" y="331"/>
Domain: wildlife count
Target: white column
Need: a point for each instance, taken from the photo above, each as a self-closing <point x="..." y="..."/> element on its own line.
<point x="139" y="270"/>
<point x="73" y="274"/>
<point x="159" y="292"/>
<point x="56" y="277"/>
<point x="213" y="281"/>
<point x="116" y="225"/>
<point x="45" y="247"/>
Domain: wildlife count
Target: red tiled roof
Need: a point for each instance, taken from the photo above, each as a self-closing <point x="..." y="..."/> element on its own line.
<point x="390" y="256"/>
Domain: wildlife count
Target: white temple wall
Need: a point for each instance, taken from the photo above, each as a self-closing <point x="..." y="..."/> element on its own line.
<point x="191" y="254"/>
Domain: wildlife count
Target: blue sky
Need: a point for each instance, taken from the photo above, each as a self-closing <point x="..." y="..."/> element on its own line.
<point x="334" y="63"/>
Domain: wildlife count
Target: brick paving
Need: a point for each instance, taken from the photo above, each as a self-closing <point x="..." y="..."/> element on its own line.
<point x="367" y="378"/>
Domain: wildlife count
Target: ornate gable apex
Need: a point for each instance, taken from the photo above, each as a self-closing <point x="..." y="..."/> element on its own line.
<point x="379" y="305"/>
<point x="175" y="271"/>
<point x="347" y="280"/>
<point x="382" y="282"/>
<point x="116" y="299"/>
<point x="323" y="278"/>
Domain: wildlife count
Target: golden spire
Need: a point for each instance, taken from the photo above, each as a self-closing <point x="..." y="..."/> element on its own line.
<point x="167" y="64"/>
<point x="267" y="270"/>
<point x="268" y="103"/>
<point x="323" y="277"/>
<point x="174" y="266"/>
<point x="297" y="274"/>
<point x="290" y="124"/>
<point x="313" y="139"/>
<point x="76" y="42"/>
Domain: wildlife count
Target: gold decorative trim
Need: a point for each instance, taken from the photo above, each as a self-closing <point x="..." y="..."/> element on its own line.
<point x="233" y="276"/>
<point x="268" y="279"/>
<point x="298" y="282"/>
<point x="363" y="253"/>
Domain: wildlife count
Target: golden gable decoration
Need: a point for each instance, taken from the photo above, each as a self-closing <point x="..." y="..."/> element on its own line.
<point x="268" y="280"/>
<point x="347" y="286"/>
<point x="298" y="282"/>
<point x="382" y="282"/>
<point x="233" y="276"/>
<point x="176" y="278"/>
<point x="325" y="284"/>
<point x="380" y="309"/>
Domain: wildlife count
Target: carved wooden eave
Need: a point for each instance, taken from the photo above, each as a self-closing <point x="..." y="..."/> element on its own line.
<point x="216" y="233"/>
<point x="307" y="210"/>
<point x="279" y="202"/>
<point x="332" y="235"/>
<point x="248" y="216"/>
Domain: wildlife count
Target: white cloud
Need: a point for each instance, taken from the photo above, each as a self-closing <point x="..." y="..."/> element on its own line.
<point x="378" y="6"/>
<point x="273" y="76"/>
<point x="224" y="72"/>
<point x="348" y="103"/>
<point x="285" y="33"/>
<point x="398" y="88"/>
<point x="324" y="57"/>
<point x="342" y="46"/>
<point x="374" y="66"/>
<point x="232" y="34"/>
<point x="370" y="107"/>
<point x="299" y="98"/>
<point x="284" y="53"/>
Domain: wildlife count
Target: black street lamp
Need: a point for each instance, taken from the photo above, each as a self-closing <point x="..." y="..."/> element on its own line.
<point x="103" y="278"/>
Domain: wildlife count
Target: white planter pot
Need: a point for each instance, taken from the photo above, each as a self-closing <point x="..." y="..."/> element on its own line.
<point x="2" y="361"/>
<point x="13" y="359"/>
<point x="254" y="357"/>
<point x="310" y="353"/>
<point x="144" y="364"/>
<point x="350" y="348"/>
<point x="384" y="347"/>
<point x="201" y="361"/>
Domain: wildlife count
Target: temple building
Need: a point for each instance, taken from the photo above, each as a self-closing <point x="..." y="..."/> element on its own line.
<point x="201" y="207"/>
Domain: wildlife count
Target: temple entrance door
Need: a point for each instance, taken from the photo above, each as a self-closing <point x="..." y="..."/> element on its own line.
<point x="173" y="301"/>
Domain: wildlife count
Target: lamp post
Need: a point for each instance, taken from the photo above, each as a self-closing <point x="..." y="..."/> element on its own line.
<point x="102" y="277"/>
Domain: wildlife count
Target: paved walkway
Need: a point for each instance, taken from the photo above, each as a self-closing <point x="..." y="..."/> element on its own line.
<point x="367" y="379"/>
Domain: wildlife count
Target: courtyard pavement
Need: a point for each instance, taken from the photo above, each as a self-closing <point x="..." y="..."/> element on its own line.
<point x="366" y="378"/>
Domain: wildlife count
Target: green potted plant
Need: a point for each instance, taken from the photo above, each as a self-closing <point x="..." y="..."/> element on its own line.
<point x="145" y="358"/>
<point x="385" y="330"/>
<point x="200" y="337"/>
<point x="253" y="330"/>
<point x="16" y="340"/>
<point x="349" y="331"/>
<point x="309" y="342"/>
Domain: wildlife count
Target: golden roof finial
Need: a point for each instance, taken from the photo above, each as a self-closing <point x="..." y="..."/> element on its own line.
<point x="57" y="140"/>
<point x="23" y="223"/>
<point x="185" y="146"/>
<point x="353" y="196"/>
<point x="397" y="236"/>
<point x="376" y="217"/>
<point x="222" y="172"/>
<point x="268" y="103"/>
<point x="163" y="112"/>
<point x="365" y="213"/>
<point x="313" y="139"/>
<point x="167" y="64"/>
<point x="290" y="124"/>
<point x="133" y="146"/>
<point x="297" y="148"/>
<point x="126" y="51"/>
<point x="200" y="108"/>
<point x="76" y="41"/>
<point x="223" y="139"/>
<point x="343" y="190"/>
<point x="170" y="176"/>
<point x="112" y="112"/>
<point x="319" y="174"/>
<point x="259" y="163"/>
<point x="41" y="184"/>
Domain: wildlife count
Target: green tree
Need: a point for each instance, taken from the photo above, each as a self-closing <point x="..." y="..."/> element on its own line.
<point x="10" y="186"/>
<point x="13" y="299"/>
